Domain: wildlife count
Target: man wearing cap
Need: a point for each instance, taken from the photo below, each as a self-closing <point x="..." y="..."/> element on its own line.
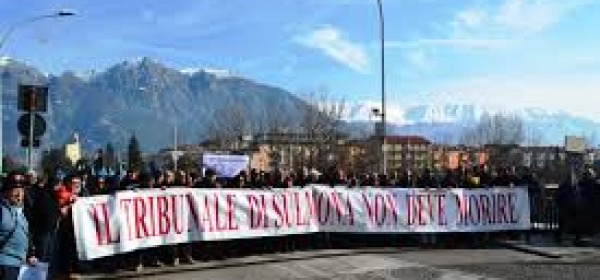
<point x="14" y="240"/>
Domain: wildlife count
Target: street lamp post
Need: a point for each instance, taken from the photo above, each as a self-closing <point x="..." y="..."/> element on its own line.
<point x="9" y="31"/>
<point x="383" y="114"/>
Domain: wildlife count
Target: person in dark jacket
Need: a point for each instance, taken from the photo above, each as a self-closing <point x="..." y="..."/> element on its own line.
<point x="14" y="229"/>
<point x="151" y="256"/>
<point x="565" y="199"/>
<point x="485" y="176"/>
<point x="66" y="195"/>
<point x="210" y="180"/>
<point x="130" y="182"/>
<point x="213" y="249"/>
<point x="43" y="216"/>
<point x="427" y="180"/>
<point x="529" y="180"/>
<point x="451" y="179"/>
<point x="584" y="215"/>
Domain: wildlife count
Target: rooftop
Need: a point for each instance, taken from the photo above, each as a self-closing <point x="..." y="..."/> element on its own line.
<point x="407" y="139"/>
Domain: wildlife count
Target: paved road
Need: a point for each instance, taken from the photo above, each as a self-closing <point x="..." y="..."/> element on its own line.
<point x="398" y="264"/>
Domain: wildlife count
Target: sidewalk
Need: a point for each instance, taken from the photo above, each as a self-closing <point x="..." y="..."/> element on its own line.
<point x="540" y="244"/>
<point x="547" y="246"/>
<point x="235" y="262"/>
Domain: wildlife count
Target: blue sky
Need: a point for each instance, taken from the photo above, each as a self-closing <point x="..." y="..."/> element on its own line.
<point x="498" y="53"/>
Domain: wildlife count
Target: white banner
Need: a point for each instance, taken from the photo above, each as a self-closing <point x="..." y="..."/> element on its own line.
<point x="129" y="220"/>
<point x="227" y="166"/>
<point x="421" y="210"/>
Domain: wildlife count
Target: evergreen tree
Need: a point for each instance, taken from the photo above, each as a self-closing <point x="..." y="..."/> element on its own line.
<point x="135" y="154"/>
<point x="110" y="160"/>
<point x="98" y="161"/>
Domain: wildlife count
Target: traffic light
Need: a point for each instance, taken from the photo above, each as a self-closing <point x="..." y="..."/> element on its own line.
<point x="37" y="131"/>
<point x="33" y="98"/>
<point x="25" y="142"/>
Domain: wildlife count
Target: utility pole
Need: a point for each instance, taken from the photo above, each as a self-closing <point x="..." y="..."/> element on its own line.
<point x="383" y="111"/>
<point x="30" y="147"/>
<point x="175" y="151"/>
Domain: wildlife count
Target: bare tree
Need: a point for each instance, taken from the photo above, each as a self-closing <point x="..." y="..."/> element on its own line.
<point x="592" y="139"/>
<point x="277" y="122"/>
<point x="229" y="127"/>
<point x="497" y="129"/>
<point x="323" y="124"/>
<point x="533" y="137"/>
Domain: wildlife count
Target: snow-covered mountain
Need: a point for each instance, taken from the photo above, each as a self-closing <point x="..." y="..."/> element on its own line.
<point x="141" y="96"/>
<point x="4" y="60"/>
<point x="218" y="73"/>
<point x="445" y="122"/>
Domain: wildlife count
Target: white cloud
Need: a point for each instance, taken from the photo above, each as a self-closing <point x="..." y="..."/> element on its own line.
<point x="500" y="26"/>
<point x="531" y="16"/>
<point x="497" y="27"/>
<point x="333" y="44"/>
<point x="512" y="18"/>
<point x="470" y="18"/>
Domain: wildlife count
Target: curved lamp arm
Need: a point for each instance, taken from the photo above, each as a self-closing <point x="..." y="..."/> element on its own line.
<point x="13" y="27"/>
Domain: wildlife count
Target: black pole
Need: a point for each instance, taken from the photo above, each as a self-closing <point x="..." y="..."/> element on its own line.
<point x="383" y="111"/>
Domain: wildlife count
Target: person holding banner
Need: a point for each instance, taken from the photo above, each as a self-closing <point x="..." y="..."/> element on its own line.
<point x="450" y="180"/>
<point x="427" y="181"/>
<point x="208" y="250"/>
<point x="209" y="181"/>
<point x="152" y="255"/>
<point x="100" y="186"/>
<point x="14" y="229"/>
<point x="177" y="251"/>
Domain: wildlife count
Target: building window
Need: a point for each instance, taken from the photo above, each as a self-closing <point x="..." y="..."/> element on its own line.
<point x="541" y="157"/>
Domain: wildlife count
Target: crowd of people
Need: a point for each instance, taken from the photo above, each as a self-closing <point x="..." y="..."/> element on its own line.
<point x="36" y="223"/>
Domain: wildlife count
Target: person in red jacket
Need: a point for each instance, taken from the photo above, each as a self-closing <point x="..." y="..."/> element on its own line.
<point x="66" y="195"/>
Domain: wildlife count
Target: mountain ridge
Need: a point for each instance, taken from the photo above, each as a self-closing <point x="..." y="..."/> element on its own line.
<point x="448" y="120"/>
<point x="145" y="97"/>
<point x="141" y="98"/>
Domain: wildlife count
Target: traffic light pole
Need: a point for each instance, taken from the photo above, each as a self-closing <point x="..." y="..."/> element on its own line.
<point x="30" y="146"/>
<point x="1" y="117"/>
<point x="4" y="37"/>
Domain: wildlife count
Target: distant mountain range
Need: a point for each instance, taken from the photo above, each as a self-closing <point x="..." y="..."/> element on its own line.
<point x="149" y="99"/>
<point x="446" y="122"/>
<point x="142" y="97"/>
